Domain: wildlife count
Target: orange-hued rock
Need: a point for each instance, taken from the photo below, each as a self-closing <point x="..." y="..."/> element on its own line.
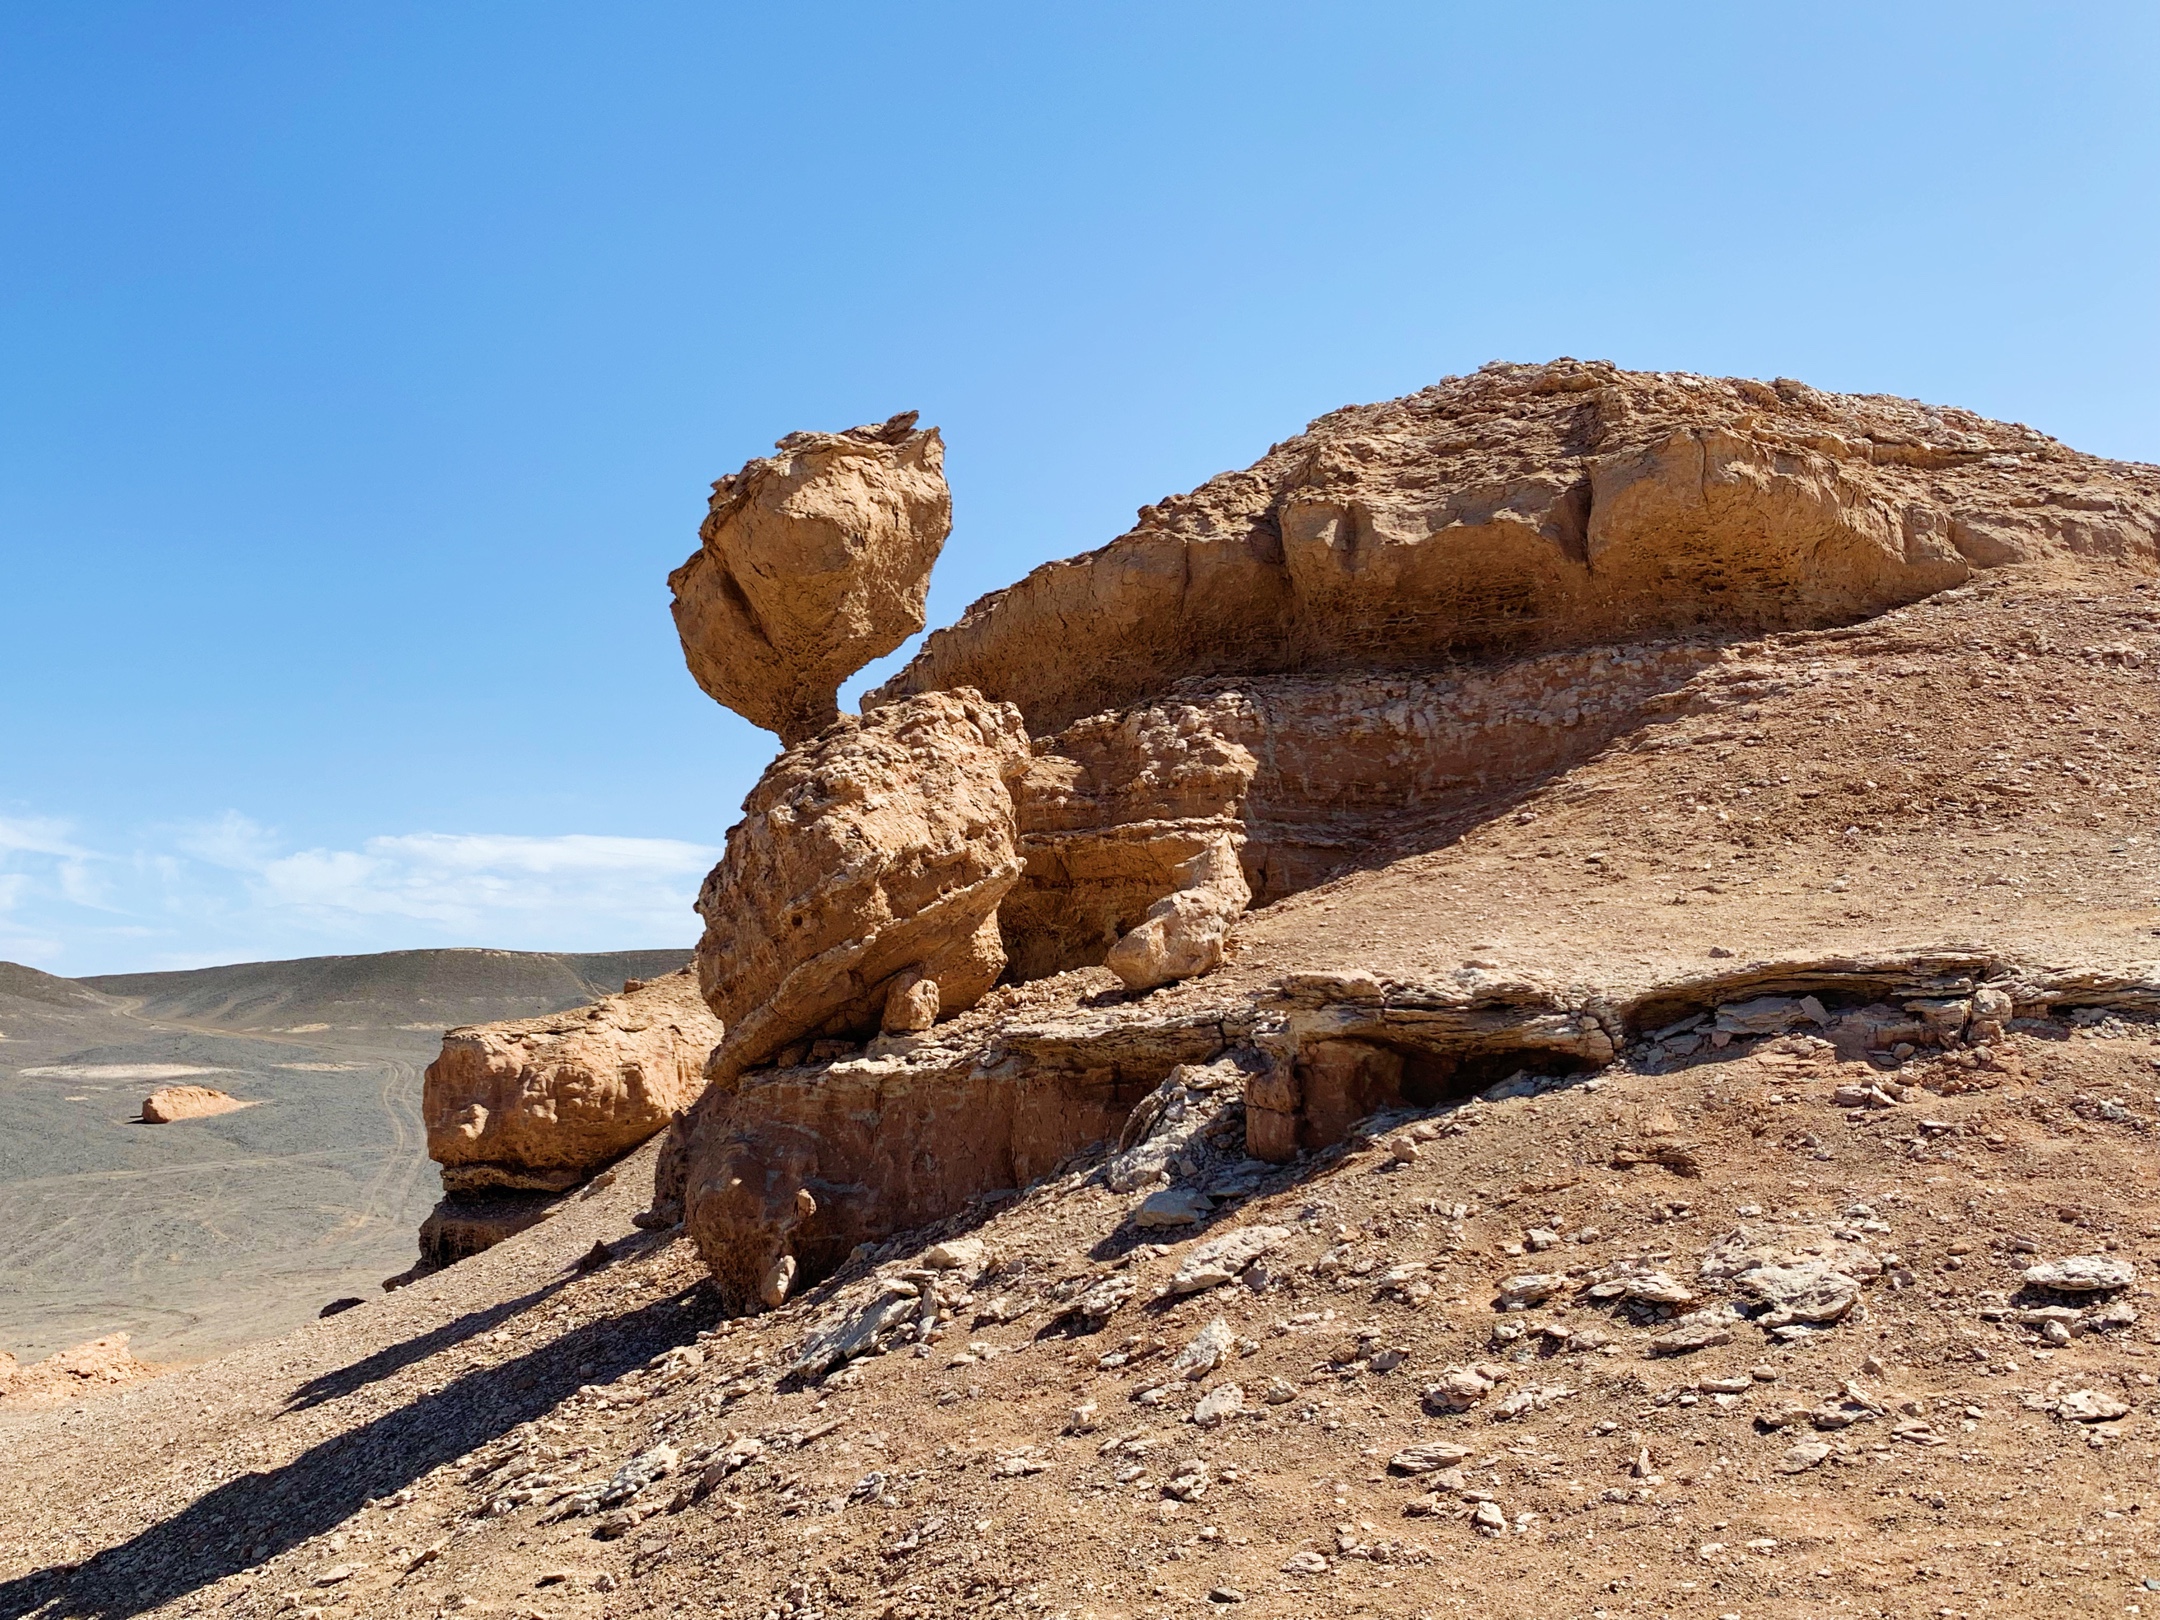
<point x="70" y="1374"/>
<point x="1526" y="508"/>
<point x="879" y="849"/>
<point x="541" y="1103"/>
<point x="812" y="562"/>
<point x="170" y="1103"/>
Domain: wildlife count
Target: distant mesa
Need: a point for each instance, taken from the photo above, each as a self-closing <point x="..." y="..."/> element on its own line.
<point x="170" y="1104"/>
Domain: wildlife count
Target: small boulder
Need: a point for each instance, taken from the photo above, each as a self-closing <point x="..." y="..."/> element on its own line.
<point x="1183" y="933"/>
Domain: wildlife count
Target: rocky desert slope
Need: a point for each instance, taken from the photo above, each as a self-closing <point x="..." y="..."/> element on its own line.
<point x="1602" y="1060"/>
<point x="213" y="1231"/>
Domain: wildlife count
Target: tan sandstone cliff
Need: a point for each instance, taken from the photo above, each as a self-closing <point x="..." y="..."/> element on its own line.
<point x="1527" y="507"/>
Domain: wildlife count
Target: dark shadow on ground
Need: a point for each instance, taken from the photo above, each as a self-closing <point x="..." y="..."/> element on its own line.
<point x="260" y="1515"/>
<point x="394" y="1358"/>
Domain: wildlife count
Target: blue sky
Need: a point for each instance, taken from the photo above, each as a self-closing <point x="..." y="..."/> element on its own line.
<point x="363" y="368"/>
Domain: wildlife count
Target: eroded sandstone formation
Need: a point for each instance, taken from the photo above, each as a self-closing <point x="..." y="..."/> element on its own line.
<point x="1358" y="650"/>
<point x="1307" y="774"/>
<point x="1531" y="507"/>
<point x="540" y="1104"/>
<point x="869" y="864"/>
<point x="812" y="562"/>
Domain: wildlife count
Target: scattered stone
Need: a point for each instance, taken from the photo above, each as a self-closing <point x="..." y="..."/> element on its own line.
<point x="1222" y="1259"/>
<point x="957" y="1254"/>
<point x="1209" y="1348"/>
<point x="1460" y="1388"/>
<point x="1305" y="1563"/>
<point x="1173" y="1206"/>
<point x="1531" y="1288"/>
<point x="339" y="1306"/>
<point x="2091" y="1406"/>
<point x="1221" y="1402"/>
<point x="1430" y="1458"/>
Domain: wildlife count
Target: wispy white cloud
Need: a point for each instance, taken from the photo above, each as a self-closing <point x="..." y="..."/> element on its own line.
<point x="231" y="889"/>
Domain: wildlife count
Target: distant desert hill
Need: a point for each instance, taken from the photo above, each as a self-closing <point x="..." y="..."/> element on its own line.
<point x="391" y="989"/>
<point x="208" y="1233"/>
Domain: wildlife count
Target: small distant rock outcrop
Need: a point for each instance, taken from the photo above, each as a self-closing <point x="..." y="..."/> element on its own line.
<point x="812" y="563"/>
<point x="860" y="889"/>
<point x="169" y="1104"/>
<point x="66" y="1375"/>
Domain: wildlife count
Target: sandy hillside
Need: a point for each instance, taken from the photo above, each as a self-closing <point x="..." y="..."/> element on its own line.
<point x="208" y="1233"/>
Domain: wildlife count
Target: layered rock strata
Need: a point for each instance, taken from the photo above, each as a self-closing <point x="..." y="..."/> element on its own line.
<point x="1306" y="774"/>
<point x="811" y="563"/>
<point x="861" y="886"/>
<point x="1531" y="507"/>
<point x="785" y="1176"/>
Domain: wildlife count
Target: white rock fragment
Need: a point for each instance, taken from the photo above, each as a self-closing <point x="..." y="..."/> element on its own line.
<point x="2082" y="1274"/>
<point x="957" y="1254"/>
<point x="1209" y="1348"/>
<point x="1221" y="1402"/>
<point x="1222" y="1259"/>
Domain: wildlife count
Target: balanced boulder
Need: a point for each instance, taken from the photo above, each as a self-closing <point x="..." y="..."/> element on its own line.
<point x="812" y="562"/>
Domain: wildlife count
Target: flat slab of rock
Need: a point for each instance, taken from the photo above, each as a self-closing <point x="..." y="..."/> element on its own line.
<point x="1221" y="1259"/>
<point x="2082" y="1274"/>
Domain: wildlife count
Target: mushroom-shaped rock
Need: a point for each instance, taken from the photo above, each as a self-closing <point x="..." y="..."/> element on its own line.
<point x="539" y="1104"/>
<point x="812" y="562"/>
<point x="869" y="861"/>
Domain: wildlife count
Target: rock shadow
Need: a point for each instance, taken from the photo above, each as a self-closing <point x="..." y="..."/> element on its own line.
<point x="259" y="1515"/>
